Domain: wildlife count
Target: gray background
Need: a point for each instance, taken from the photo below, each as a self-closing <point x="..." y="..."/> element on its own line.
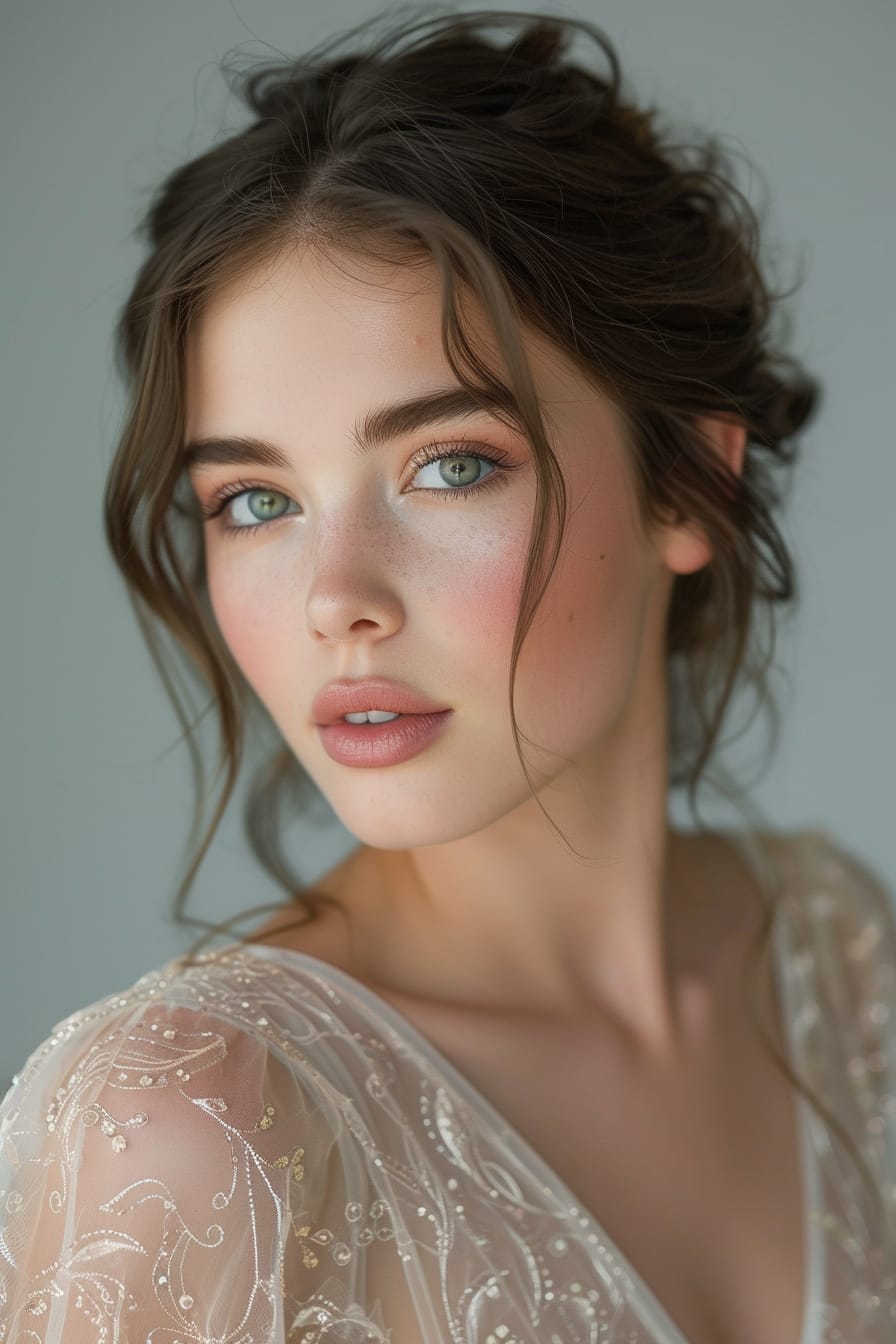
<point x="99" y="100"/>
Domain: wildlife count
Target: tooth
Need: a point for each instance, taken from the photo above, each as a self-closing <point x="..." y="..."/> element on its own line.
<point x="371" y="716"/>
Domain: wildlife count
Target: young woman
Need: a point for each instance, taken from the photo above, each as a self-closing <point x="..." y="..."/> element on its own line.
<point x="451" y="446"/>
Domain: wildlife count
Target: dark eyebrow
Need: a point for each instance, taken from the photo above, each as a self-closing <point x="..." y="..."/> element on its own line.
<point x="378" y="428"/>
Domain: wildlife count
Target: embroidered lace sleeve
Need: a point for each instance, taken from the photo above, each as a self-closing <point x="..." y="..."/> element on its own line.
<point x="170" y="1173"/>
<point x="860" y="948"/>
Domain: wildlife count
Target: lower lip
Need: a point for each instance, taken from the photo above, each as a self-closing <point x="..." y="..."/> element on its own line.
<point x="368" y="745"/>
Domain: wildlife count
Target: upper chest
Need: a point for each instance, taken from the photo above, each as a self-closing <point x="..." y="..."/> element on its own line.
<point x="693" y="1175"/>
<point x="696" y="1180"/>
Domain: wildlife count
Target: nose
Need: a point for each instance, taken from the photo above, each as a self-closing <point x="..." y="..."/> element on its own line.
<point x="350" y="596"/>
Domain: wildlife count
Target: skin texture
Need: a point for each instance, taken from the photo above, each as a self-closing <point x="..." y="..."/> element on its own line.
<point x="467" y="890"/>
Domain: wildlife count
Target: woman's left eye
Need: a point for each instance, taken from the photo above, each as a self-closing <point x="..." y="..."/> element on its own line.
<point x="455" y="473"/>
<point x="450" y="474"/>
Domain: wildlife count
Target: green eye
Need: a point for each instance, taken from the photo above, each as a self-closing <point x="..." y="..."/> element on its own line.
<point x="264" y="505"/>
<point x="457" y="470"/>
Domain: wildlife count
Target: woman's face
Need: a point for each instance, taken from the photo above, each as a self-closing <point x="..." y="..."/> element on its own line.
<point x="375" y="563"/>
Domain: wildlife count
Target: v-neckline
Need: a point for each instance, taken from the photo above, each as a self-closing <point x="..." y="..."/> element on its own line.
<point x="649" y="1307"/>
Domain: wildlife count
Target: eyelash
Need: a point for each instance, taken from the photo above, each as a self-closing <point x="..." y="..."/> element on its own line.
<point x="433" y="452"/>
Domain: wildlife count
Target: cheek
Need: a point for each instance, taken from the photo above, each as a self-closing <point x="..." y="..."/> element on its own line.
<point x="479" y="598"/>
<point x="249" y="611"/>
<point x="581" y="655"/>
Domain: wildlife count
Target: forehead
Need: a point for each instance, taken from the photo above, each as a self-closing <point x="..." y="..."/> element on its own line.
<point x="335" y="333"/>
<point x="308" y="315"/>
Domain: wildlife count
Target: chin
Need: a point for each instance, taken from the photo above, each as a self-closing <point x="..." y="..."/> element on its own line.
<point x="410" y="821"/>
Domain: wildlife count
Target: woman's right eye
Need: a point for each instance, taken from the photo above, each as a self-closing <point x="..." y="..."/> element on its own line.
<point x="249" y="506"/>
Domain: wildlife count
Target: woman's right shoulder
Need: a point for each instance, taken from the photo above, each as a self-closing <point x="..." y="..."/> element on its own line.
<point x="191" y="1018"/>
<point x="175" y="1154"/>
<point x="194" y="1047"/>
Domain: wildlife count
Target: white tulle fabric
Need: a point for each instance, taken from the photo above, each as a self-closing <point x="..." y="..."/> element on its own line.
<point x="258" y="1149"/>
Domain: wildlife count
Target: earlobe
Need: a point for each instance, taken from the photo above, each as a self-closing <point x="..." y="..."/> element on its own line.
<point x="687" y="548"/>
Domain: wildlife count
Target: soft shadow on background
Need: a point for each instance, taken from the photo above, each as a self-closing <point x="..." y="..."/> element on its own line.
<point x="99" y="101"/>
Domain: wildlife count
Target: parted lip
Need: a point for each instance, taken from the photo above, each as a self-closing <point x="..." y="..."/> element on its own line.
<point x="338" y="698"/>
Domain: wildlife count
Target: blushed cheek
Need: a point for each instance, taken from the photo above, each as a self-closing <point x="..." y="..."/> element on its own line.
<point x="251" y="621"/>
<point x="580" y="655"/>
<point x="477" y="599"/>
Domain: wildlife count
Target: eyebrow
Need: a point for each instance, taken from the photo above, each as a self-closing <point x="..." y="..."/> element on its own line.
<point x="379" y="427"/>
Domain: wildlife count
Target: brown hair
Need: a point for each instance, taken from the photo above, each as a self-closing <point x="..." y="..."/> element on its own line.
<point x="562" y="205"/>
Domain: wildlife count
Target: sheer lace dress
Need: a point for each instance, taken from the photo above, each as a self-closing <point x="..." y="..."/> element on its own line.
<point x="259" y="1149"/>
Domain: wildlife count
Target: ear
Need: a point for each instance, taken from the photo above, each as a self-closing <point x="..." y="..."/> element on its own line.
<point x="686" y="548"/>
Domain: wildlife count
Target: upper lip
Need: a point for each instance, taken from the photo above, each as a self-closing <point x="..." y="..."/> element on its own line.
<point x="338" y="698"/>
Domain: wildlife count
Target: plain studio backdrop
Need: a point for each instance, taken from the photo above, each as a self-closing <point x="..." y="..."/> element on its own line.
<point x="100" y="99"/>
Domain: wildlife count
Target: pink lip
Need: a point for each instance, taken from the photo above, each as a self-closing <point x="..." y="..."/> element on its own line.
<point x="369" y="745"/>
<point x="338" y="698"/>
